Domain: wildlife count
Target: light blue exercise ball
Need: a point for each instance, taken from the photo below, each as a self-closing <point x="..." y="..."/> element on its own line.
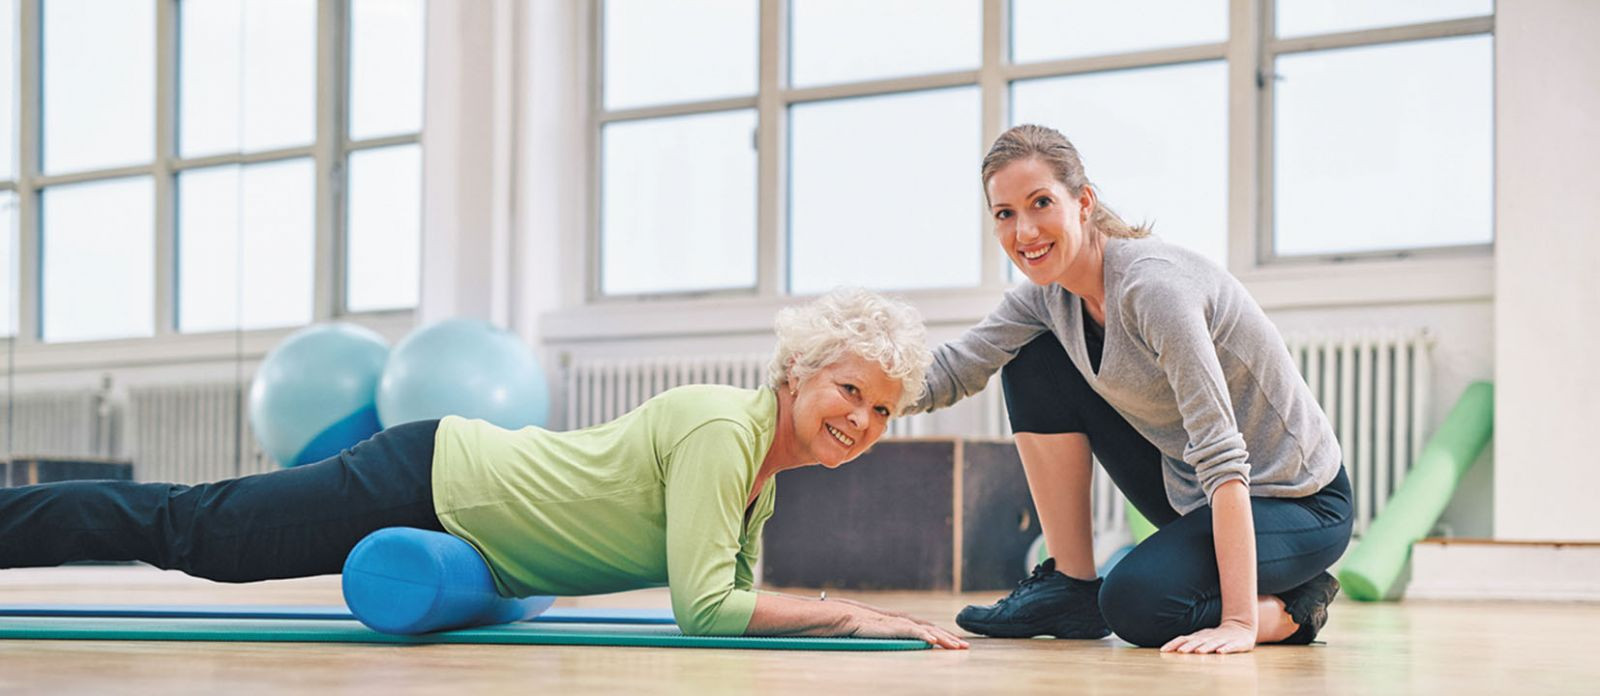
<point x="314" y="395"/>
<point x="463" y="367"/>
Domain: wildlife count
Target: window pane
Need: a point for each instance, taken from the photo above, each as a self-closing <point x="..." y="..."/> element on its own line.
<point x="1302" y="17"/>
<point x="208" y="73"/>
<point x="99" y="260"/>
<point x="1385" y="147"/>
<point x="1056" y="29"/>
<point x="268" y="44"/>
<point x="99" y="83"/>
<point x="884" y="192"/>
<point x="1154" y="141"/>
<point x="686" y="50"/>
<point x="8" y="263"/>
<point x="386" y="47"/>
<point x="849" y="40"/>
<point x="256" y="254"/>
<point x="678" y="204"/>
<point x="8" y="89"/>
<point x="384" y="232"/>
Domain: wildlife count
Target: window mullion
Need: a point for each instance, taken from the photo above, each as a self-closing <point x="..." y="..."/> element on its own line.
<point x="1264" y="86"/>
<point x="771" y="152"/>
<point x="1248" y="22"/>
<point x="27" y="304"/>
<point x="332" y="75"/>
<point x="596" y="86"/>
<point x="165" y="237"/>
<point x="995" y="93"/>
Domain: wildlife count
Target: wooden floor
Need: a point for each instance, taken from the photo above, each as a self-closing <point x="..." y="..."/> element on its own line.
<point x="1417" y="647"/>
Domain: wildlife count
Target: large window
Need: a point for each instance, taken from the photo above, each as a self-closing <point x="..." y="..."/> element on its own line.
<point x="189" y="166"/>
<point x="383" y="243"/>
<point x="1381" y="142"/>
<point x="838" y="142"/>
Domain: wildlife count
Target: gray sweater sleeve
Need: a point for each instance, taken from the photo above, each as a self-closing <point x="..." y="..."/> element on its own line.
<point x="1171" y="311"/>
<point x="962" y="367"/>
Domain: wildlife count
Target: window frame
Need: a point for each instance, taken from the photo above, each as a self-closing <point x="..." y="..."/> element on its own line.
<point x="1379" y="277"/>
<point x="329" y="152"/>
<point x="1266" y="80"/>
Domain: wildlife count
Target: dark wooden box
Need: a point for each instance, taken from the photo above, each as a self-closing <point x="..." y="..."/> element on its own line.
<point x="28" y="470"/>
<point x="916" y="514"/>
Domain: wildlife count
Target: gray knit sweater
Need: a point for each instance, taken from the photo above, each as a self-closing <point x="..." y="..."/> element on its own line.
<point x="1190" y="361"/>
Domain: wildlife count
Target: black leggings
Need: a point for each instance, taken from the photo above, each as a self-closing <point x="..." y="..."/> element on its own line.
<point x="282" y="524"/>
<point x="1168" y="585"/>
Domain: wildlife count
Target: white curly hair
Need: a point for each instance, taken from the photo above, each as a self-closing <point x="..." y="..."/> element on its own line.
<point x="883" y="330"/>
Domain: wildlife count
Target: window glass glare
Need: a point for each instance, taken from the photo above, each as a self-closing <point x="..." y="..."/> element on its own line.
<point x="245" y="245"/>
<point x="247" y="75"/>
<point x="384" y="230"/>
<point x="678" y="204"/>
<point x="98" y="260"/>
<point x="1304" y="17"/>
<point x="208" y="76"/>
<point x="1154" y="141"/>
<point x="280" y="73"/>
<point x="1384" y="147"/>
<point x="99" y="83"/>
<point x="884" y="192"/>
<point x="685" y="50"/>
<point x="8" y="89"/>
<point x="1058" y="29"/>
<point x="837" y="41"/>
<point x="386" y="53"/>
<point x="8" y="262"/>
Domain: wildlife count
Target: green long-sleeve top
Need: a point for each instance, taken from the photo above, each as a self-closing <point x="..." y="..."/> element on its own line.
<point x="656" y="497"/>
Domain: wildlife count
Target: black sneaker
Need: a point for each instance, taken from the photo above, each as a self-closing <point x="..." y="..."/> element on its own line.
<point x="1047" y="603"/>
<point x="1308" y="606"/>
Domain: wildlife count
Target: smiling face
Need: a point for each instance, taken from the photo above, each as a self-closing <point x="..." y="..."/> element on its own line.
<point x="840" y="410"/>
<point x="1038" y="221"/>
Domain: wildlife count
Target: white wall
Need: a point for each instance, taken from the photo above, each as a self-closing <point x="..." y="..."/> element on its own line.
<point x="468" y="156"/>
<point x="1547" y="274"/>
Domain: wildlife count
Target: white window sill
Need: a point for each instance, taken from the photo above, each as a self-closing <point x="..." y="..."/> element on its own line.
<point x="1283" y="286"/>
<point x="177" y="349"/>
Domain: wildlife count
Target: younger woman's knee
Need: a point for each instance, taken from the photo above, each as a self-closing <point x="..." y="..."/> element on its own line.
<point x="1139" y="608"/>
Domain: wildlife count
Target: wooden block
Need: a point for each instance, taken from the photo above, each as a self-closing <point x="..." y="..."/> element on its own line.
<point x="924" y="514"/>
<point x="997" y="514"/>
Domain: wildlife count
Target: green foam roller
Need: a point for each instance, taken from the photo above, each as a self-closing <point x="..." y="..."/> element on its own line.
<point x="1138" y="526"/>
<point x="1373" y="568"/>
<point x="1141" y="527"/>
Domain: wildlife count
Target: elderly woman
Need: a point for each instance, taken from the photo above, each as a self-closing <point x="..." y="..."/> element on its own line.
<point x="673" y="493"/>
<point x="1162" y="365"/>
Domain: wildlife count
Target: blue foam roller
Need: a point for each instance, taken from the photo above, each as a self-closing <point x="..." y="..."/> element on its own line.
<point x="1115" y="558"/>
<point x="410" y="581"/>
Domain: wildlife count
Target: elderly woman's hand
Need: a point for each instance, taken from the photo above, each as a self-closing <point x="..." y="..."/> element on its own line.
<point x="869" y="623"/>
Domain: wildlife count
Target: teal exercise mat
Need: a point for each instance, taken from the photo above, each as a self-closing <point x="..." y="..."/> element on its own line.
<point x="306" y="613"/>
<point x="348" y="631"/>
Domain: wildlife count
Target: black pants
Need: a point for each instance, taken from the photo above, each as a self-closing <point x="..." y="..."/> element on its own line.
<point x="282" y="524"/>
<point x="1168" y="585"/>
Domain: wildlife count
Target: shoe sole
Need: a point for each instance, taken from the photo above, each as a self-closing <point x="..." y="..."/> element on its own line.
<point x="1010" y="631"/>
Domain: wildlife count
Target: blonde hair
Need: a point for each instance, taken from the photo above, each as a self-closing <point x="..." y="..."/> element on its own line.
<point x="886" y="331"/>
<point x="1053" y="149"/>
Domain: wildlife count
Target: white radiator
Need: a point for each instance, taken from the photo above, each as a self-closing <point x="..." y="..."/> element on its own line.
<point x="597" y="391"/>
<point x="1372" y="385"/>
<point x="78" y="423"/>
<point x="192" y="433"/>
